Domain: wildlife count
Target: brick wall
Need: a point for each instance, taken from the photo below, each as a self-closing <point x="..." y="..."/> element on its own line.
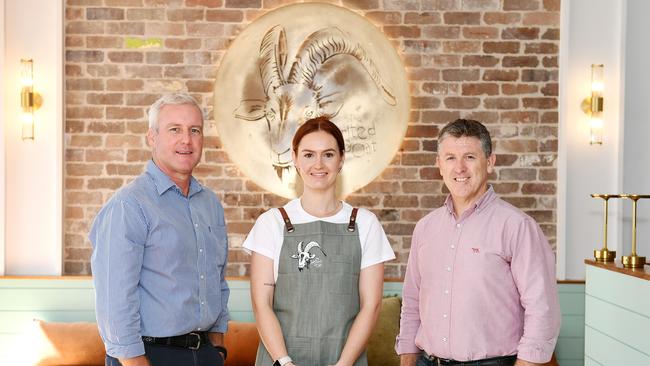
<point x="491" y="60"/>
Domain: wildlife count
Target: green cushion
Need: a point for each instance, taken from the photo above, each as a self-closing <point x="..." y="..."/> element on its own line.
<point x="381" y="347"/>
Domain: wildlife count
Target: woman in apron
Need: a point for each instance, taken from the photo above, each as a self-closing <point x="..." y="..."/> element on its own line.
<point x="317" y="264"/>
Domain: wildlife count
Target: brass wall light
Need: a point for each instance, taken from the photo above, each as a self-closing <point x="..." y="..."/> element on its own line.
<point x="29" y="100"/>
<point x="593" y="105"/>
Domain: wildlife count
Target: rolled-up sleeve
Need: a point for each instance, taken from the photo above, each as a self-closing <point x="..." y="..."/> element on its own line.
<point x="533" y="270"/>
<point x="118" y="237"/>
<point x="410" y="316"/>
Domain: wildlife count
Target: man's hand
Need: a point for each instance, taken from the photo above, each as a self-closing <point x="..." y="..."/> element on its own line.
<point x="135" y="361"/>
<point x="408" y="359"/>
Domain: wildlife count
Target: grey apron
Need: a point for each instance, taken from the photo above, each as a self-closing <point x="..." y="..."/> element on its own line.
<point x="316" y="297"/>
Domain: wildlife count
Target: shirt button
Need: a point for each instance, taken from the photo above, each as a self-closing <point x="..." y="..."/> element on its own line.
<point x="201" y="250"/>
<point x="446" y="292"/>
<point x="196" y="225"/>
<point x="448" y="269"/>
<point x="444" y="339"/>
<point x="198" y="328"/>
<point x="458" y="225"/>
<point x="444" y="316"/>
<point x="202" y="302"/>
<point x="453" y="246"/>
<point x="202" y="277"/>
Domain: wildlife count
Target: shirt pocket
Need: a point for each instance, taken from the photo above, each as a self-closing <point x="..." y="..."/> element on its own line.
<point x="218" y="244"/>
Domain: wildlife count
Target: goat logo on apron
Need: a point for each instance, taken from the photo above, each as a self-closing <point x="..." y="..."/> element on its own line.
<point x="305" y="257"/>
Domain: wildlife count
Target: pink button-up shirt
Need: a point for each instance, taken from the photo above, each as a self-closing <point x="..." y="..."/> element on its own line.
<point x="479" y="286"/>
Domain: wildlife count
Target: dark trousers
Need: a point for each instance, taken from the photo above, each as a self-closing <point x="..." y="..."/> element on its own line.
<point x="158" y="355"/>
<point x="499" y="361"/>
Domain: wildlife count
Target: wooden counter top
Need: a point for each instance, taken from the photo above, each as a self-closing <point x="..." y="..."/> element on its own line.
<point x="643" y="273"/>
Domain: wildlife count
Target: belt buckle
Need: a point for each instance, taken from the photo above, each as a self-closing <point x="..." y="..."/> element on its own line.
<point x="198" y="341"/>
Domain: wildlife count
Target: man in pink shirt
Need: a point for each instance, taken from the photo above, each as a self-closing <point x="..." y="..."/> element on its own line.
<point x="480" y="280"/>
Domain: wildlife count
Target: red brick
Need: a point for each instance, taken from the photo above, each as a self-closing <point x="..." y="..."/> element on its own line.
<point x="74" y="155"/>
<point x="381" y="187"/>
<point x="104" y="155"/>
<point x="505" y="188"/>
<point x="74" y="41"/>
<point x="550" y="117"/>
<point x="501" y="47"/>
<point x="424" y="74"/>
<point x="550" y="89"/>
<point x="74" y="13"/>
<point x="74" y="183"/>
<point x="460" y="75"/>
<point x="543" y="48"/>
<point x="226" y="16"/>
<point x="542" y="18"/>
<point x="106" y="127"/>
<point x="142" y="71"/>
<point x="501" y="103"/>
<point x="517" y="146"/>
<point x="520" y="33"/>
<point x="420" y="46"/>
<point x="421" y="187"/>
<point x="400" y="31"/>
<point x="486" y="117"/>
<point x="164" y="29"/>
<point x="443" y="117"/>
<point x="124" y="85"/>
<point x="461" y="46"/>
<point x="164" y="57"/>
<point x="506" y="159"/>
<point x="93" y="198"/>
<point x="480" y="32"/>
<point x="540" y="103"/>
<point x="521" y="4"/>
<point x="481" y="89"/>
<point x="552" y="34"/>
<point x="548" y="61"/>
<point x="125" y="56"/>
<point x="424" y="102"/>
<point x="410" y="145"/>
<point x="422" y="131"/>
<point x="518" y="89"/>
<point x="208" y="30"/>
<point x="538" y="188"/>
<point x="74" y="126"/>
<point x="72" y="212"/>
<point x="82" y="27"/>
<point x="417" y="159"/>
<point x="518" y="174"/>
<point x="115" y="3"/>
<point x="500" y="75"/>
<point x="204" y="3"/>
<point x="519" y="61"/>
<point x="519" y="117"/>
<point x="124" y="169"/>
<point x="103" y="42"/>
<point x="141" y="99"/>
<point x="121" y="28"/>
<point x="85" y="140"/>
<point x="84" y="112"/>
<point x="102" y="70"/>
<point x="84" y="84"/>
<point x="185" y="15"/>
<point x="422" y="18"/>
<point x="480" y="60"/>
<point x="199" y="86"/>
<point x="462" y="18"/>
<point x="74" y="169"/>
<point x="244" y="4"/>
<point x="412" y="60"/>
<point x="134" y="155"/>
<point x="145" y="14"/>
<point x="124" y="141"/>
<point x="548" y="174"/>
<point x="552" y="5"/>
<point x="124" y="113"/>
<point x="441" y="32"/>
<point x="462" y="102"/>
<point x="356" y="4"/>
<point x="184" y="72"/>
<point x="501" y="18"/>
<point x="137" y="127"/>
<point x="84" y="56"/>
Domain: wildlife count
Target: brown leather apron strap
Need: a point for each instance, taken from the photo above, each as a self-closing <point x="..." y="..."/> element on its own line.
<point x="287" y="222"/>
<point x="353" y="220"/>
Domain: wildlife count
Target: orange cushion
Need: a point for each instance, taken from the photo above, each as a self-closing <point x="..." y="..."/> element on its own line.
<point x="68" y="344"/>
<point x="241" y="341"/>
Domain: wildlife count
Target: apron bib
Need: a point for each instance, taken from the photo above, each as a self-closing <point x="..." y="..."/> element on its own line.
<point x="316" y="297"/>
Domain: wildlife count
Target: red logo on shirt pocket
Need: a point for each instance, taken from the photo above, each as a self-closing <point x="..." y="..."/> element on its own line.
<point x="476" y="250"/>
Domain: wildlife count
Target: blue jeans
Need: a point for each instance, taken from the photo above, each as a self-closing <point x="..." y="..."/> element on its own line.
<point x="423" y="361"/>
<point x="158" y="355"/>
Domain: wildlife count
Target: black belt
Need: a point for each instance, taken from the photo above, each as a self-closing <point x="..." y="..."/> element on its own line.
<point x="191" y="340"/>
<point x="444" y="361"/>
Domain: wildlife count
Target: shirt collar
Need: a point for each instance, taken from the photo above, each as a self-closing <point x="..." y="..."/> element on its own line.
<point x="480" y="203"/>
<point x="163" y="183"/>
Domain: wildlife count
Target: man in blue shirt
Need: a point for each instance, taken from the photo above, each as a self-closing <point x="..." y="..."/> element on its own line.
<point x="160" y="250"/>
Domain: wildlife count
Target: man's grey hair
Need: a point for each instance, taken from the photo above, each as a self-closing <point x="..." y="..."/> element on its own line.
<point x="170" y="99"/>
<point x="469" y="128"/>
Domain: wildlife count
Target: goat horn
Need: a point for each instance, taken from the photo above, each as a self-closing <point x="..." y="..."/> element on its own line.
<point x="311" y="245"/>
<point x="324" y="44"/>
<point x="273" y="55"/>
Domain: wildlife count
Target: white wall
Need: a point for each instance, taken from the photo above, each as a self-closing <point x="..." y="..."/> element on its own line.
<point x="592" y="32"/>
<point x="636" y="166"/>
<point x="2" y="141"/>
<point x="33" y="169"/>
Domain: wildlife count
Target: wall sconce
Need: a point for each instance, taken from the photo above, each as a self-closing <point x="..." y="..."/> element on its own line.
<point x="29" y="101"/>
<point x="593" y="105"/>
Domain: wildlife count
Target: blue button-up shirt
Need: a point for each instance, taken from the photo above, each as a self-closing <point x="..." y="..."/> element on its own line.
<point x="158" y="263"/>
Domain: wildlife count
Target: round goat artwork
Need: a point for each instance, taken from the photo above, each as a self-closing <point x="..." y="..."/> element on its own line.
<point x="307" y="66"/>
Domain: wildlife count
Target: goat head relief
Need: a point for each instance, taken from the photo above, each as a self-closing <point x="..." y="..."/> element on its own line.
<point x="303" y="61"/>
<point x="305" y="257"/>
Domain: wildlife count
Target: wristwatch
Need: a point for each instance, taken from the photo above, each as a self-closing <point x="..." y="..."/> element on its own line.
<point x="282" y="361"/>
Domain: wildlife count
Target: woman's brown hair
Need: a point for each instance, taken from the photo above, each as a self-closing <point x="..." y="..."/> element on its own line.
<point x="319" y="124"/>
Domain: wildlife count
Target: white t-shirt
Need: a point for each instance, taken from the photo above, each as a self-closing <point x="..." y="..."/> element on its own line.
<point x="267" y="234"/>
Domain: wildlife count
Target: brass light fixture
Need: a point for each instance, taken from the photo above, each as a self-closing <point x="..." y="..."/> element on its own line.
<point x="604" y="254"/>
<point x="593" y="105"/>
<point x="29" y="100"/>
<point x="633" y="260"/>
